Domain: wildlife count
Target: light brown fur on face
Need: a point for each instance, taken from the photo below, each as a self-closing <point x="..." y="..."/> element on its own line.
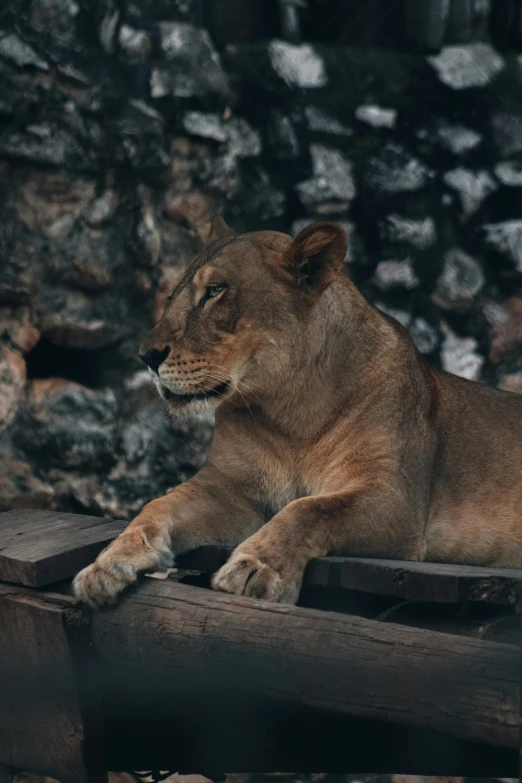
<point x="332" y="435"/>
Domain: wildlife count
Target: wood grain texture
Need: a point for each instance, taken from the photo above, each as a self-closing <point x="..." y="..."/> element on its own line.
<point x="49" y="711"/>
<point x="41" y="547"/>
<point x="435" y="582"/>
<point x="166" y="641"/>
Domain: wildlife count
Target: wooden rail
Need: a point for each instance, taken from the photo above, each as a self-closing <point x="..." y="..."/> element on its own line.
<point x="197" y="681"/>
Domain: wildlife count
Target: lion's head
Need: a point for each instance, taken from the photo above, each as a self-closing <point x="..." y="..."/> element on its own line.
<point x="239" y="313"/>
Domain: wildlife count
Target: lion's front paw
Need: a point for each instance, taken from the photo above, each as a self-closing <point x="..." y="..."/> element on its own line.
<point x="245" y="574"/>
<point x="97" y="585"/>
<point x="118" y="567"/>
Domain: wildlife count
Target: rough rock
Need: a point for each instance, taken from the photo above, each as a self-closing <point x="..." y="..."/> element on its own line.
<point x="12" y="382"/>
<point x="472" y="187"/>
<point x="456" y="138"/>
<point x="184" y="46"/>
<point x="507" y="130"/>
<point x="297" y="66"/>
<point x="241" y="138"/>
<point x="16" y="326"/>
<point x="49" y="202"/>
<point x="506" y="333"/>
<point x="461" y="67"/>
<point x="376" y="116"/>
<point x="19" y="487"/>
<point x="509" y="172"/>
<point x="394" y="170"/>
<point x="459" y="355"/>
<point x="72" y="331"/>
<point x="20" y="53"/>
<point x="136" y="44"/>
<point x="102" y="209"/>
<point x="194" y="207"/>
<point x="323" y="122"/>
<point x="68" y="425"/>
<point x="460" y="281"/>
<point x="419" y="233"/>
<point x="282" y="137"/>
<point x="332" y="178"/>
<point x="424" y="335"/>
<point x="506" y="238"/>
<point x="391" y="274"/>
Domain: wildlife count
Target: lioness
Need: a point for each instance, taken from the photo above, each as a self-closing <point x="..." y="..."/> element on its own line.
<point x="332" y="434"/>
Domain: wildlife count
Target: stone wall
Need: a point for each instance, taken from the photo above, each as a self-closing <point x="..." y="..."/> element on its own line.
<point x="122" y="128"/>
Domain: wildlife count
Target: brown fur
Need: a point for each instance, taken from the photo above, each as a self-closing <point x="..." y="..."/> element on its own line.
<point x="332" y="435"/>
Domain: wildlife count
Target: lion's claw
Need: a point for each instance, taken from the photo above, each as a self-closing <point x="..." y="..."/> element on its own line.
<point x="245" y="574"/>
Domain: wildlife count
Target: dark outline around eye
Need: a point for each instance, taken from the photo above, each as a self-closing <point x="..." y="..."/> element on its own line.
<point x="207" y="295"/>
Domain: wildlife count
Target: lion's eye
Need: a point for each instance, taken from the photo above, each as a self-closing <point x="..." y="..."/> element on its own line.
<point x="214" y="290"/>
<point x="211" y="292"/>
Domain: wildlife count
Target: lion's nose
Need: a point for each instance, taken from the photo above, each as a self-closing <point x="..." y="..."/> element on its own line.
<point x="154" y="358"/>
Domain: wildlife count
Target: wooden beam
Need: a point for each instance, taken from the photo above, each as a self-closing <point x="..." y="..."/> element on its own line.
<point x="167" y="644"/>
<point x="38" y="548"/>
<point x="41" y="547"/>
<point x="50" y="721"/>
<point x="435" y="582"/>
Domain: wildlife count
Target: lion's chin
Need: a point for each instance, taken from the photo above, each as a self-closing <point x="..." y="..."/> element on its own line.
<point x="193" y="406"/>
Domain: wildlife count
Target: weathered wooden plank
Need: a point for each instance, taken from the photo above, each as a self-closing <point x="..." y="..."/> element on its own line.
<point x="167" y="643"/>
<point x="50" y="721"/>
<point x="435" y="582"/>
<point x="41" y="547"/>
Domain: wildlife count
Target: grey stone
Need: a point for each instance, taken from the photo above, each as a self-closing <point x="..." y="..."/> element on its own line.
<point x="423" y="335"/>
<point x="205" y="124"/>
<point x="376" y="116"/>
<point x="459" y="355"/>
<point x="319" y="120"/>
<point x="180" y="77"/>
<point x="506" y="237"/>
<point x="460" y="281"/>
<point x="242" y="139"/>
<point x="19" y="487"/>
<point x="12" y="382"/>
<point x="391" y="274"/>
<point x="103" y="208"/>
<point x="472" y="187"/>
<point x="332" y="178"/>
<point x="509" y="172"/>
<point x="136" y="44"/>
<point x="473" y="65"/>
<point x="297" y="66"/>
<point x="420" y="233"/>
<point x="393" y="170"/>
<point x="456" y="138"/>
<point x="282" y="136"/>
<point x="507" y="129"/>
<point x="69" y="425"/>
<point x="108" y="27"/>
<point x="72" y="331"/>
<point x="18" y="52"/>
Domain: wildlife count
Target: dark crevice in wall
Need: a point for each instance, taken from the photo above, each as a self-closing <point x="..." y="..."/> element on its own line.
<point x="81" y="365"/>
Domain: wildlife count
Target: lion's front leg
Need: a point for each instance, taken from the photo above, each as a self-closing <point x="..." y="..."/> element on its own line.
<point x="271" y="563"/>
<point x="208" y="509"/>
<point x="144" y="546"/>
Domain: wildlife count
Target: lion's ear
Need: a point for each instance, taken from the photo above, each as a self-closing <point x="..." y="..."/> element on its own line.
<point x="316" y="255"/>
<point x="215" y="230"/>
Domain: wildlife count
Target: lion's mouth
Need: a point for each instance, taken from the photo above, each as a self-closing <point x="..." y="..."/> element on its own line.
<point x="182" y="399"/>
